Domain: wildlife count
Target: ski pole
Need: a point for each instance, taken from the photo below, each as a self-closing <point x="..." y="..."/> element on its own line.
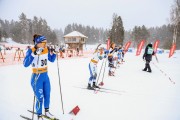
<point x="103" y="73"/>
<point x="33" y="108"/>
<point x="164" y="73"/>
<point x="35" y="87"/>
<point x="100" y="71"/>
<point x="60" y="85"/>
<point x="115" y="67"/>
<point x="97" y="48"/>
<point x="156" y="58"/>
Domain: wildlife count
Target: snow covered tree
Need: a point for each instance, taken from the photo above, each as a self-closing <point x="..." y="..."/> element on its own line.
<point x="117" y="31"/>
<point x="175" y="20"/>
<point x="24" y="28"/>
<point x="4" y="29"/>
<point x="59" y="34"/>
<point x="16" y="32"/>
<point x="139" y="33"/>
<point x="22" y="31"/>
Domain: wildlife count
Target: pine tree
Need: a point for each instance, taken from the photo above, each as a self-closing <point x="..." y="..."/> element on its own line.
<point x="117" y="31"/>
<point x="175" y="21"/>
<point x="24" y="28"/>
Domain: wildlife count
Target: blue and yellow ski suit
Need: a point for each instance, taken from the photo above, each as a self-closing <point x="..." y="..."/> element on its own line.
<point x="40" y="80"/>
<point x="93" y="65"/>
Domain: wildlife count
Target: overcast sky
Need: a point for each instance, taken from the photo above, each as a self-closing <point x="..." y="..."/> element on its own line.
<point x="97" y="13"/>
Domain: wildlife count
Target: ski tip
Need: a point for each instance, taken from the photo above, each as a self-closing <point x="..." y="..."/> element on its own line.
<point x="24" y="117"/>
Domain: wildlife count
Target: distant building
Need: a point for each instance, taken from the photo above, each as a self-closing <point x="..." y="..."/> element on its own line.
<point x="75" y="40"/>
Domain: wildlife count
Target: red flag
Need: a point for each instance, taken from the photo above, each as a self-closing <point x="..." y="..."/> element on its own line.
<point x="140" y="46"/>
<point x="127" y="46"/>
<point x="155" y="46"/>
<point x="108" y="43"/>
<point x="173" y="48"/>
<point x="75" y="110"/>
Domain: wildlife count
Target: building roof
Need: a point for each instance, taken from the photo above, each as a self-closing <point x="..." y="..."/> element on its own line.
<point x="75" y="34"/>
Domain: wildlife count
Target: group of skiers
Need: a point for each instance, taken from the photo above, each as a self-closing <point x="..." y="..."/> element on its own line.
<point x="115" y="57"/>
<point x="40" y="54"/>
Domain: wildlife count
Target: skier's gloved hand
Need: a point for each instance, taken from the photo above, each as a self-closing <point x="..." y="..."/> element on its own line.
<point x="94" y="75"/>
<point x="52" y="50"/>
<point x="143" y="57"/>
<point x="100" y="57"/>
<point x="38" y="51"/>
<point x="115" y="49"/>
<point x="106" y="51"/>
<point x="56" y="49"/>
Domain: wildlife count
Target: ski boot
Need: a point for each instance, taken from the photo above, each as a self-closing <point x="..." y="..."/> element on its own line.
<point x="111" y="73"/>
<point x="89" y="87"/>
<point x="40" y="117"/>
<point x="48" y="114"/>
<point x="95" y="86"/>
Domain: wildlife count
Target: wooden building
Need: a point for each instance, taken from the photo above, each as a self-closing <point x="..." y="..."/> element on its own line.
<point x="75" y="40"/>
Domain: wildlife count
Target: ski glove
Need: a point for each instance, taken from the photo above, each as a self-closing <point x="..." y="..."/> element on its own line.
<point x="100" y="57"/>
<point x="38" y="51"/>
<point x="115" y="49"/>
<point x="106" y="51"/>
<point x="95" y="75"/>
<point x="56" y="49"/>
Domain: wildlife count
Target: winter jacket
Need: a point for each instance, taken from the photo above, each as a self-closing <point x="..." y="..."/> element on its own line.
<point x="148" y="52"/>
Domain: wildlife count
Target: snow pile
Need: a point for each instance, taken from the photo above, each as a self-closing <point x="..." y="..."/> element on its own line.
<point x="10" y="41"/>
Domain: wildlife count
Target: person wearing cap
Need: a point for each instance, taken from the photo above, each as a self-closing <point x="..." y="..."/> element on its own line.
<point x="119" y="54"/>
<point x="111" y="59"/>
<point x="115" y="56"/>
<point x="148" y="57"/>
<point x="98" y="55"/>
<point x="123" y="53"/>
<point x="38" y="57"/>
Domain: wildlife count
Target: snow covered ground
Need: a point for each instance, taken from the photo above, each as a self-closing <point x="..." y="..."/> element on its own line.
<point x="132" y="95"/>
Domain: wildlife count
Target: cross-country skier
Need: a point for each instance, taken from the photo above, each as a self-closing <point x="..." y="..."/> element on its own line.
<point x="111" y="59"/>
<point x="148" y="57"/>
<point x="119" y="54"/>
<point x="123" y="53"/>
<point x="38" y="57"/>
<point x="115" y="56"/>
<point x="98" y="55"/>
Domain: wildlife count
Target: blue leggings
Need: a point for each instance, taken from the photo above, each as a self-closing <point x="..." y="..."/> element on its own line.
<point x="93" y="72"/>
<point x="41" y="87"/>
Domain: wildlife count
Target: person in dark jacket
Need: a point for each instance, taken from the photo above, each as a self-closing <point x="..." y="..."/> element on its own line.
<point x="148" y="57"/>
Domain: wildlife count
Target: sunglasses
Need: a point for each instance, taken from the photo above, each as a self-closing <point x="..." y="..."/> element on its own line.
<point x="43" y="43"/>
